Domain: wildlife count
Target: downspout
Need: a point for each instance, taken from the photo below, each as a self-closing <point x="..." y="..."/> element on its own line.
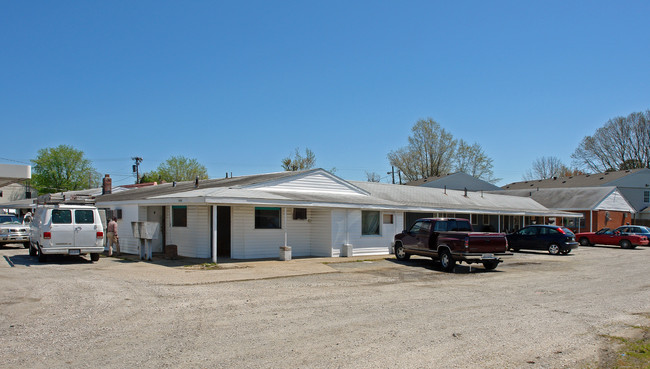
<point x="499" y="223"/>
<point x="214" y="234"/>
<point x="591" y="220"/>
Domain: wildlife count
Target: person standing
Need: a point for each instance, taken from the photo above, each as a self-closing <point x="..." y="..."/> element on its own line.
<point x="112" y="237"/>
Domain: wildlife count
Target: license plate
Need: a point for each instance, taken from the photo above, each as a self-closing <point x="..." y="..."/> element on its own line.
<point x="487" y="256"/>
<point x="73" y="252"/>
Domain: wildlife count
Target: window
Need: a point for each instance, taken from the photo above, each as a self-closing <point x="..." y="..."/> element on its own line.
<point x="370" y="223"/>
<point x="474" y="219"/>
<point x="646" y="196"/>
<point x="486" y="219"/>
<point x="416" y="227"/>
<point x="117" y="213"/>
<point x="299" y="213"/>
<point x="84" y="217"/>
<point x="179" y="216"/>
<point x="441" y="226"/>
<point x="388" y="218"/>
<point x="267" y="218"/>
<point x="60" y="216"/>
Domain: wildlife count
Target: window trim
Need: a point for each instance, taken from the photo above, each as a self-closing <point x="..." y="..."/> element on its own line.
<point x="646" y="196"/>
<point x="363" y="228"/>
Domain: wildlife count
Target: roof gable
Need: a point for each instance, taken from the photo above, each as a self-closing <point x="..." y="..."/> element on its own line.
<point x="317" y="180"/>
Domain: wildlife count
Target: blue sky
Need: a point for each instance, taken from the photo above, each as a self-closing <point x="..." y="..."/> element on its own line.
<point x="239" y="85"/>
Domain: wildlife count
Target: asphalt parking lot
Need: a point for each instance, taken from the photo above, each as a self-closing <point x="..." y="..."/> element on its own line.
<point x="533" y="311"/>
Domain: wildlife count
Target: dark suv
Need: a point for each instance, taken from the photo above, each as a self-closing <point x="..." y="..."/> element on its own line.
<point x="555" y="239"/>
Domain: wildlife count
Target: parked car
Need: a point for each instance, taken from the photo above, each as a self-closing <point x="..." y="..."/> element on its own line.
<point x="451" y="240"/>
<point x="555" y="239"/>
<point x="634" y="229"/>
<point x="13" y="230"/>
<point x="66" y="230"/>
<point x="608" y="236"/>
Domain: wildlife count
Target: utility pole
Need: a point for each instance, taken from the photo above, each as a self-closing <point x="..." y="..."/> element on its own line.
<point x="136" y="168"/>
<point x="392" y="172"/>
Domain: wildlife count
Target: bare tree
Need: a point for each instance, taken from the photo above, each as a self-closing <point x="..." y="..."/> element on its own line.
<point x="622" y="143"/>
<point x="373" y="177"/>
<point x="545" y="167"/>
<point x="429" y="152"/>
<point x="299" y="162"/>
<point x="472" y="160"/>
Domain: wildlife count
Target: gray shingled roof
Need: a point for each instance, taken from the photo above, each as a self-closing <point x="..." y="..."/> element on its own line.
<point x="426" y="198"/>
<point x="181" y="187"/>
<point x="571" y="199"/>
<point x="584" y="180"/>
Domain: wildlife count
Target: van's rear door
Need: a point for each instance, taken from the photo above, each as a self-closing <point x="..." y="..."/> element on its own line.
<point x="61" y="228"/>
<point x="85" y="232"/>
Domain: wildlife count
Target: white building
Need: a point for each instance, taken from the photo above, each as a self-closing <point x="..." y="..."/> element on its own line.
<point x="314" y="212"/>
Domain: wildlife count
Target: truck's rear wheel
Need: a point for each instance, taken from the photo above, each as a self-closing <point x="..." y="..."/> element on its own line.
<point x="490" y="265"/>
<point x="94" y="256"/>
<point x="41" y="257"/>
<point x="400" y="254"/>
<point x="25" y="245"/>
<point x="447" y="262"/>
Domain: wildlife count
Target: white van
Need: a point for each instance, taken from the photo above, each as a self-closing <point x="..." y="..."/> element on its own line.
<point x="67" y="230"/>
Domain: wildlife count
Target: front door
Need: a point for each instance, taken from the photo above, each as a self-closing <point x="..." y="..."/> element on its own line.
<point x="223" y="231"/>
<point x="155" y="214"/>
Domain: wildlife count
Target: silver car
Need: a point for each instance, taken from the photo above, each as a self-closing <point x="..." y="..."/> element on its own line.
<point x="12" y="230"/>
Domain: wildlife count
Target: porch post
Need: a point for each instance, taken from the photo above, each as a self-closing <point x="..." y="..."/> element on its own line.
<point x="285" y="226"/>
<point x="591" y="220"/>
<point x="499" y="223"/>
<point x="214" y="234"/>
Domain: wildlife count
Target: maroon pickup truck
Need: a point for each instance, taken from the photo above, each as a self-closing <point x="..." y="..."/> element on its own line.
<point x="451" y="240"/>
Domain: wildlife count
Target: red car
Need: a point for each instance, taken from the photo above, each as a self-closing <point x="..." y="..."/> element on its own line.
<point x="607" y="236"/>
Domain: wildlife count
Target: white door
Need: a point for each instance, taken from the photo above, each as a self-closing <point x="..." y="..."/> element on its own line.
<point x="85" y="231"/>
<point x="61" y="229"/>
<point x="155" y="214"/>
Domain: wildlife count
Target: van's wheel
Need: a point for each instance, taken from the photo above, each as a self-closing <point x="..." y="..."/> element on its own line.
<point x="94" y="256"/>
<point x="490" y="265"/>
<point x="584" y="241"/>
<point x="41" y="257"/>
<point x="447" y="262"/>
<point x="553" y="249"/>
<point x="32" y="251"/>
<point x="400" y="254"/>
<point x="625" y="244"/>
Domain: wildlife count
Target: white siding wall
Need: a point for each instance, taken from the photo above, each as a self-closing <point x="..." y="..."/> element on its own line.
<point x="306" y="237"/>
<point x="194" y="240"/>
<point x="350" y="231"/>
<point x="128" y="244"/>
<point x="321" y="232"/>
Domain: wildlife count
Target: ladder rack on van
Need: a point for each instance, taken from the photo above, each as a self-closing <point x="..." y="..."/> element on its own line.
<point x="59" y="198"/>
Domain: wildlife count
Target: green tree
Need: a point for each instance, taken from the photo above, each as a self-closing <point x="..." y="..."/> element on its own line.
<point x="299" y="162"/>
<point x="178" y="168"/>
<point x="63" y="168"/>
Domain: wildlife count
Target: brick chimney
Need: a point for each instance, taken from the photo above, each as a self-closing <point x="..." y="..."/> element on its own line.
<point x="107" y="185"/>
